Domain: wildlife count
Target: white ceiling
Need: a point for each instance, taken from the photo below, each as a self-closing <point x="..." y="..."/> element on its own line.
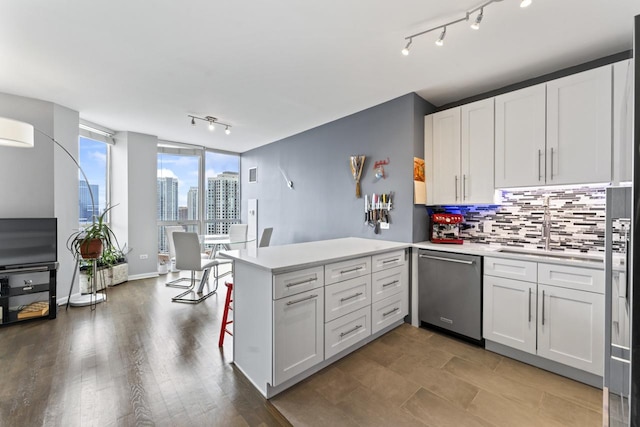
<point x="276" y="68"/>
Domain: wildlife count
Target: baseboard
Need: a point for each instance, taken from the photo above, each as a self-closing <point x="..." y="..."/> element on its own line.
<point x="143" y="276"/>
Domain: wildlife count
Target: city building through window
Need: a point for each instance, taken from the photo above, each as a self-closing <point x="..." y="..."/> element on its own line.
<point x="94" y="160"/>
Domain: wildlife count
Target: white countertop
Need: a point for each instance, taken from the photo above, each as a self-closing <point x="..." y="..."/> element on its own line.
<point x="596" y="260"/>
<point x="278" y="259"/>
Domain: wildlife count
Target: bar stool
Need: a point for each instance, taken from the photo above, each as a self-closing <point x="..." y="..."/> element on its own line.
<point x="225" y="316"/>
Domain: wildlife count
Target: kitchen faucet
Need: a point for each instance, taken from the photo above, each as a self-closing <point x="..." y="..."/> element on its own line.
<point x="546" y="224"/>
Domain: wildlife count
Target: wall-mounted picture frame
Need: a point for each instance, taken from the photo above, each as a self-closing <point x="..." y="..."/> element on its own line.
<point x="253" y="174"/>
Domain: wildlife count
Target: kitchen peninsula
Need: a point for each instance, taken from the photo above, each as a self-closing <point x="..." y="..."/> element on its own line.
<point x="300" y="307"/>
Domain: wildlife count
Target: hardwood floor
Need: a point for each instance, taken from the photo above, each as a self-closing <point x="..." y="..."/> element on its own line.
<point x="139" y="359"/>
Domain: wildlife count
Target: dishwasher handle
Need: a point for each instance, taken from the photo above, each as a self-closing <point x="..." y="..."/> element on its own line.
<point x="437" y="258"/>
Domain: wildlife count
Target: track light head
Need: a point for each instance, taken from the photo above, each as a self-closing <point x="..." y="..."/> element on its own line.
<point x="405" y="51"/>
<point x="227" y="130"/>
<point x="476" y="23"/>
<point x="211" y="125"/>
<point x="440" y="40"/>
<point x="193" y="121"/>
<point x="525" y="3"/>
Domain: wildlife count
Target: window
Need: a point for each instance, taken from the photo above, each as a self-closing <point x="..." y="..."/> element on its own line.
<point x="94" y="160"/>
<point x="197" y="189"/>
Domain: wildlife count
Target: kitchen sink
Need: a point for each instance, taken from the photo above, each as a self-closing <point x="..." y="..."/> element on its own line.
<point x="567" y="256"/>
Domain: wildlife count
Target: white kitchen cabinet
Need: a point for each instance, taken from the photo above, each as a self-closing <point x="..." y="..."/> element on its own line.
<point x="298" y="334"/>
<point x="346" y="331"/>
<point x="622" y="120"/>
<point x="477" y="152"/>
<point x="578" y="145"/>
<point x="344" y="297"/>
<point x="520" y="137"/>
<point x="570" y="327"/>
<point x="509" y="315"/>
<point x="553" y="311"/>
<point x="557" y="132"/>
<point x="459" y="155"/>
<point x="444" y="158"/>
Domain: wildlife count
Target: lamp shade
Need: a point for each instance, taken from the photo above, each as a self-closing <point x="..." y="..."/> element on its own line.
<point x="15" y="134"/>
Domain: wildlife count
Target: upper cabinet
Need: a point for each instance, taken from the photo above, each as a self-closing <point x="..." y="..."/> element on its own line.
<point x="579" y="127"/>
<point x="459" y="155"/>
<point x="622" y="120"/>
<point x="555" y="133"/>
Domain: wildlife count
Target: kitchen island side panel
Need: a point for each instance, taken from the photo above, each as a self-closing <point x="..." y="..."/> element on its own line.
<point x="253" y="324"/>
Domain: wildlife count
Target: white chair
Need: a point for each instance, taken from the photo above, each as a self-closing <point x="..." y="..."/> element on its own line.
<point x="265" y="239"/>
<point x="188" y="257"/>
<point x="238" y="236"/>
<point x="169" y="230"/>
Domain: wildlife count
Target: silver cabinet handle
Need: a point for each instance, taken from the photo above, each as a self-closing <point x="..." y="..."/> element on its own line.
<point x="350" y="297"/>
<point x="351" y="270"/>
<point x="551" y="163"/>
<point x="390" y="283"/>
<point x="456" y="187"/>
<point x="539" y="172"/>
<point x="542" y="308"/>
<point x="529" y="305"/>
<point x="390" y="260"/>
<point x="302" y="299"/>
<point x="464" y="187"/>
<point x="342" y="334"/>
<point x="313" y="279"/>
<point x="459" y="261"/>
<point x="390" y="312"/>
<point x="27" y="288"/>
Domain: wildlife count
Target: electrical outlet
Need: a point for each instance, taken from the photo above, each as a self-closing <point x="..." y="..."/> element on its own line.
<point x="144" y="256"/>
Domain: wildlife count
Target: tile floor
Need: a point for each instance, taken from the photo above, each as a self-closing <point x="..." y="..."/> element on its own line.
<point x="413" y="377"/>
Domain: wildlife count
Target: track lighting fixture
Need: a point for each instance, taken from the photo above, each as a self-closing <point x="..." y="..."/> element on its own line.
<point x="405" y="51"/>
<point x="440" y="40"/>
<point x="213" y="121"/>
<point x="475" y="25"/>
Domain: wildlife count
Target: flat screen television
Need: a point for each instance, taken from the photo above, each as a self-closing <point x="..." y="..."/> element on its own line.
<point x="28" y="241"/>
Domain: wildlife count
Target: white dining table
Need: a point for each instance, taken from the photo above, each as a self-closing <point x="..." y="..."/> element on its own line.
<point x="217" y="241"/>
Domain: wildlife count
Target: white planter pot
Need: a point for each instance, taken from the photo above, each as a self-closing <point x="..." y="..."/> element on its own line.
<point x="106" y="277"/>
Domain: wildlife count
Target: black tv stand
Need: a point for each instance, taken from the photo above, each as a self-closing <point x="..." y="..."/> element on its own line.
<point x="22" y="281"/>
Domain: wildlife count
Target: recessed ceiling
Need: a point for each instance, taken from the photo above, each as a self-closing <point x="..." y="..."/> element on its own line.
<point x="274" y="69"/>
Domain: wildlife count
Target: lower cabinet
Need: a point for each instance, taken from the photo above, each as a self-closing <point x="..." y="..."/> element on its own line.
<point x="558" y="323"/>
<point x="347" y="330"/>
<point x="298" y="333"/>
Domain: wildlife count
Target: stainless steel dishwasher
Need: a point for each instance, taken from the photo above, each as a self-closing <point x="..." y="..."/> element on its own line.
<point x="450" y="292"/>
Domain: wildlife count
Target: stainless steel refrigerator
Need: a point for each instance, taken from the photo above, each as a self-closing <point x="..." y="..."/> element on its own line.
<point x="617" y="335"/>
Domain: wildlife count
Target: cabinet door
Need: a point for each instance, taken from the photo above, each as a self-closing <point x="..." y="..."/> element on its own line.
<point x="579" y="127"/>
<point x="446" y="158"/>
<point x="571" y="327"/>
<point x="622" y="120"/>
<point x="509" y="313"/>
<point x="520" y="137"/>
<point x="298" y="334"/>
<point x="477" y="152"/>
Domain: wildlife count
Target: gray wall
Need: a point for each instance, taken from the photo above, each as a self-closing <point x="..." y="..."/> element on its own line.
<point x="322" y="204"/>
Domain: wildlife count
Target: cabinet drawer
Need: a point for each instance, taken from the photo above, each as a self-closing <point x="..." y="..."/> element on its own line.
<point x="388" y="282"/>
<point x="292" y="283"/>
<point x="387" y="260"/>
<point x="344" y="270"/>
<point x="388" y="311"/>
<point x="511" y="269"/>
<point x="344" y="297"/>
<point x="345" y="331"/>
<point x="583" y="279"/>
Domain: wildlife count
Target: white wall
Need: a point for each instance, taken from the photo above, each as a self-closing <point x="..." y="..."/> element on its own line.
<point x="42" y="181"/>
<point x="134" y="163"/>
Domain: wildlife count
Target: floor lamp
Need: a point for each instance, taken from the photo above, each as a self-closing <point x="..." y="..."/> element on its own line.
<point x="14" y="133"/>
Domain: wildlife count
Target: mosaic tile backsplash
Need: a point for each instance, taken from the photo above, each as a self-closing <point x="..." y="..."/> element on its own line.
<point x="577" y="220"/>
